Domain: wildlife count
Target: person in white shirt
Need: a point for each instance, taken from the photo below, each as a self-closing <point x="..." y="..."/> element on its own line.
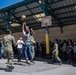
<point x="20" y="48"/>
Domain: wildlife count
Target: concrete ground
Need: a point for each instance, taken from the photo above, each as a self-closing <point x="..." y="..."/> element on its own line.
<point x="39" y="67"/>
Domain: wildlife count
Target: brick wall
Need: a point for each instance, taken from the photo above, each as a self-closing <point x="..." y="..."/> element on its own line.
<point x="69" y="32"/>
<point x="16" y="35"/>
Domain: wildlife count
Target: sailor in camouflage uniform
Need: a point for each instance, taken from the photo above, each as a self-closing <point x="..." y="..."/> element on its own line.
<point x="33" y="42"/>
<point x="9" y="40"/>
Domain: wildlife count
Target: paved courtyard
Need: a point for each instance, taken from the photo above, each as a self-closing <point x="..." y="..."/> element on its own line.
<point x="39" y="67"/>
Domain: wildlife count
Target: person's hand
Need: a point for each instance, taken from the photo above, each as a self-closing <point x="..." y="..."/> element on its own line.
<point x="31" y="29"/>
<point x="53" y="51"/>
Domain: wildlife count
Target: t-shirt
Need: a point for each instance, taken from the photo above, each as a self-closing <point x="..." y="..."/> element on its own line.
<point x="27" y="37"/>
<point x="20" y="43"/>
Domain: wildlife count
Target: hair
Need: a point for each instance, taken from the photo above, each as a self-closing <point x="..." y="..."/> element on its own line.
<point x="31" y="33"/>
<point x="56" y="40"/>
<point x="74" y="40"/>
<point x="27" y="31"/>
<point x="8" y="31"/>
<point x="20" y="36"/>
<point x="70" y="41"/>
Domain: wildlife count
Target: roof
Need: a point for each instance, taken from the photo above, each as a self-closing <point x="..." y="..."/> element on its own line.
<point x="63" y="13"/>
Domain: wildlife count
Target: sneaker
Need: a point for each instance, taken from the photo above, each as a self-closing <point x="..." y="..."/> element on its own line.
<point x="19" y="63"/>
<point x="53" y="61"/>
<point x="26" y="60"/>
<point x="8" y="69"/>
<point x="12" y="67"/>
<point x="60" y="63"/>
<point x="31" y="60"/>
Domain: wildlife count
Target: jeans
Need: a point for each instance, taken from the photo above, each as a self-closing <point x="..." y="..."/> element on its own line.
<point x="2" y="54"/>
<point x="27" y="46"/>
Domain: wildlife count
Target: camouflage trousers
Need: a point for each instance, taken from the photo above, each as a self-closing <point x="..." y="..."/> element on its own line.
<point x="9" y="57"/>
<point x="55" y="56"/>
<point x="33" y="51"/>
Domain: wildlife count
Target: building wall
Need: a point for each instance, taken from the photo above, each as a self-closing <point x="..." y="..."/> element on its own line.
<point x="16" y="35"/>
<point x="69" y="32"/>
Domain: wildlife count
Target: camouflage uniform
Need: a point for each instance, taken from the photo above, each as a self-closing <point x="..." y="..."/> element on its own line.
<point x="55" y="53"/>
<point x="32" y="45"/>
<point x="8" y="41"/>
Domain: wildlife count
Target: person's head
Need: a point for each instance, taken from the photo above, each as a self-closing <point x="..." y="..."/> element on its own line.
<point x="9" y="32"/>
<point x="75" y="42"/>
<point x="70" y="42"/>
<point x="27" y="29"/>
<point x="55" y="41"/>
<point x="64" y="44"/>
<point x="0" y="39"/>
<point x="20" y="38"/>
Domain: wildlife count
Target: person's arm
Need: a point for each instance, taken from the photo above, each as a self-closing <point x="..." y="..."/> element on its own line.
<point x="23" y="42"/>
<point x="54" y="49"/>
<point x="32" y="31"/>
<point x="23" y="27"/>
<point x="17" y="42"/>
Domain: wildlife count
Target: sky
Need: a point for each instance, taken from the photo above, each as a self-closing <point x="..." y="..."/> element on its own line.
<point x="5" y="3"/>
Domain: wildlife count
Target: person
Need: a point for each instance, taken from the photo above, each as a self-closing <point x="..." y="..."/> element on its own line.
<point x="70" y="52"/>
<point x="20" y="44"/>
<point x="74" y="49"/>
<point x="27" y="46"/>
<point x="2" y="53"/>
<point x="0" y="46"/>
<point x="43" y="49"/>
<point x="8" y="41"/>
<point x="33" y="42"/>
<point x="55" y="52"/>
<point x="64" y="53"/>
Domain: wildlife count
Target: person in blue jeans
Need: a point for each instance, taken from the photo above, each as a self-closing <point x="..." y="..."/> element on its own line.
<point x="27" y="46"/>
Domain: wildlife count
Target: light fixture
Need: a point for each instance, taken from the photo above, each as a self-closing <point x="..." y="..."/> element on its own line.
<point x="10" y="22"/>
<point x="40" y="2"/>
<point x="75" y="6"/>
<point x="39" y="16"/>
<point x="15" y="24"/>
